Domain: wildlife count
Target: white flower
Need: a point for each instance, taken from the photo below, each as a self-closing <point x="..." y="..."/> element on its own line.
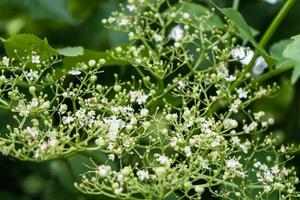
<point x="5" y="61"/>
<point x="164" y="160"/>
<point x="143" y="175"/>
<point x="250" y="128"/>
<point x="157" y="37"/>
<point x="160" y="171"/>
<point x="243" y="94"/>
<point x="181" y="85"/>
<point x="131" y="8"/>
<point x="74" y="72"/>
<point x="68" y="120"/>
<point x="137" y="96"/>
<point x="243" y="54"/>
<point x="124" y="22"/>
<point x="32" y="75"/>
<point x="33" y="131"/>
<point x="104" y="170"/>
<point x="63" y="108"/>
<point x="271" y="1"/>
<point x="111" y="157"/>
<point x="188" y="151"/>
<point x="259" y="66"/>
<point x="100" y="141"/>
<point x="230" y="123"/>
<point x="230" y="78"/>
<point x="233" y="163"/>
<point x="35" y="59"/>
<point x="144" y="112"/>
<point x="234" y="107"/>
<point x="269" y="176"/>
<point x="177" y="33"/>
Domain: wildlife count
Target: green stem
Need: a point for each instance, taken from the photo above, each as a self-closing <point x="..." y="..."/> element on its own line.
<point x="265" y="39"/>
<point x="276" y="22"/>
<point x="236" y="4"/>
<point x="273" y="73"/>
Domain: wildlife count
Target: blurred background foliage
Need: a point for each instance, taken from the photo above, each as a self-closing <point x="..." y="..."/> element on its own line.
<point x="78" y="23"/>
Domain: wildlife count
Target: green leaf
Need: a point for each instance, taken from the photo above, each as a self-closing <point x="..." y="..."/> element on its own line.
<point x="292" y="51"/>
<point x="21" y="45"/>
<point x="43" y="9"/>
<point x="198" y="10"/>
<point x="277" y="49"/>
<point x="238" y="20"/>
<point x="71" y="51"/>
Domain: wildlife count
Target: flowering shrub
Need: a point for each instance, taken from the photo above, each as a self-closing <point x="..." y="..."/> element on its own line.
<point x="181" y="126"/>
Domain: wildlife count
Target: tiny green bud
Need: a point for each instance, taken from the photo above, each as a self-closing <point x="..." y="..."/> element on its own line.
<point x="92" y="63"/>
<point x="102" y="61"/>
<point x="32" y="90"/>
<point x="199" y="189"/>
<point x="93" y="78"/>
<point x="117" y="88"/>
<point x="2" y="79"/>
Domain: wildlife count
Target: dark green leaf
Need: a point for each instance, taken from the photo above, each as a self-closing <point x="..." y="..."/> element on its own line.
<point x="23" y="44"/>
<point x="43" y="9"/>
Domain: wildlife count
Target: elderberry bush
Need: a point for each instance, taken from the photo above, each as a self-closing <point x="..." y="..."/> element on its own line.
<point x="181" y="127"/>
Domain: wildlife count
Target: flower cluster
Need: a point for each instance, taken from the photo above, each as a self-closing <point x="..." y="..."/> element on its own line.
<point x="182" y="126"/>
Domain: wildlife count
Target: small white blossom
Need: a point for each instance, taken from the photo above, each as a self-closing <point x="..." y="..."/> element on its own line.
<point x="160" y="171"/>
<point x="143" y="175"/>
<point x="144" y="112"/>
<point x="74" y="72"/>
<point x="32" y="75"/>
<point x="124" y="22"/>
<point x="5" y="61"/>
<point x="177" y="33"/>
<point x="157" y="37"/>
<point x="243" y="94"/>
<point x="104" y="170"/>
<point x="33" y="131"/>
<point x="181" y="85"/>
<point x="131" y="8"/>
<point x="188" y="151"/>
<point x="230" y="123"/>
<point x="250" y="128"/>
<point x="67" y="119"/>
<point x="243" y="54"/>
<point x="259" y="66"/>
<point x="111" y="157"/>
<point x="35" y="59"/>
<point x="164" y="160"/>
<point x="271" y="1"/>
<point x="233" y="164"/>
<point x="235" y="105"/>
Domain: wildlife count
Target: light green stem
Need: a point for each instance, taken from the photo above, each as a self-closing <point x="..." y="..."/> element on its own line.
<point x="236" y="4"/>
<point x="266" y="38"/>
<point x="273" y="73"/>
<point x="276" y="22"/>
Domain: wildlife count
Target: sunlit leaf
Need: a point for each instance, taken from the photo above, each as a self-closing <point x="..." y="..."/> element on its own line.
<point x="292" y="52"/>
<point x="71" y="51"/>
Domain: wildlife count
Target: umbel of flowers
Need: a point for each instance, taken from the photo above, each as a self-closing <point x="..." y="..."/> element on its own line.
<point x="180" y="128"/>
